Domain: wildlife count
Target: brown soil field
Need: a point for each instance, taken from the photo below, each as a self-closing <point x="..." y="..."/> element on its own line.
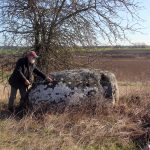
<point x="127" y="65"/>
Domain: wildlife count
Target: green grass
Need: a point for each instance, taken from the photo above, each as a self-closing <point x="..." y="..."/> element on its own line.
<point x="18" y="51"/>
<point x="108" y="49"/>
<point x="11" y="51"/>
<point x="4" y="76"/>
<point x="122" y="48"/>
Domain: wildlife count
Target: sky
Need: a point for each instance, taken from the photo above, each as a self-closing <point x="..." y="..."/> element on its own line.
<point x="136" y="38"/>
<point x="144" y="13"/>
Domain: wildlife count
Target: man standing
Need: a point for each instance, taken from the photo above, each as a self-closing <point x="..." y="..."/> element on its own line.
<point x="21" y="78"/>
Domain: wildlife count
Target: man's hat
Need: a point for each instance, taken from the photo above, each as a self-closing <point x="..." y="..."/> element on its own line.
<point x="33" y="54"/>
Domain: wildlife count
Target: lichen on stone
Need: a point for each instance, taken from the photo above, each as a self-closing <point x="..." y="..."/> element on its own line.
<point x="74" y="86"/>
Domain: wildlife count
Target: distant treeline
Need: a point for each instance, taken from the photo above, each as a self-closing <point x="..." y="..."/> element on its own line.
<point x="86" y="47"/>
<point x="120" y="46"/>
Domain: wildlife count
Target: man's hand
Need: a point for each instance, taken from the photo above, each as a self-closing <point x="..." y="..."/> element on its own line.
<point x="48" y="79"/>
<point x="27" y="82"/>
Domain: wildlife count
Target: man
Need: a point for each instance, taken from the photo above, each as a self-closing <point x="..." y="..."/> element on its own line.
<point x="21" y="78"/>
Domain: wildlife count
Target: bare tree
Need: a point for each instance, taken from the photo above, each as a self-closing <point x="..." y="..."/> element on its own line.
<point x="55" y="27"/>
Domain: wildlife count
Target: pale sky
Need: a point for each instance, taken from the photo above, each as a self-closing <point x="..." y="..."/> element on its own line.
<point x="145" y="15"/>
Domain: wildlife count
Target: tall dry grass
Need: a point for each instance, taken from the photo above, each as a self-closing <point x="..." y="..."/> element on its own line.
<point x="104" y="127"/>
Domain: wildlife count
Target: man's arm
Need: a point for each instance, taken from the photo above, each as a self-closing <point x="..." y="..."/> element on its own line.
<point x="19" y="70"/>
<point x="42" y="75"/>
<point x="39" y="73"/>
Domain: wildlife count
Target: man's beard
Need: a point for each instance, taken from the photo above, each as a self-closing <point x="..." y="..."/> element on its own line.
<point x="32" y="61"/>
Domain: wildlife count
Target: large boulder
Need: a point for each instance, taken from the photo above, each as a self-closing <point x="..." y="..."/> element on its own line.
<point x="74" y="87"/>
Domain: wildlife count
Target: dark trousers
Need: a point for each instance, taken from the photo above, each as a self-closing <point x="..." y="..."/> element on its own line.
<point x="23" y="92"/>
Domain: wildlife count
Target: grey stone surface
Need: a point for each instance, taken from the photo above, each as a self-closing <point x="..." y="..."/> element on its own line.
<point x="74" y="87"/>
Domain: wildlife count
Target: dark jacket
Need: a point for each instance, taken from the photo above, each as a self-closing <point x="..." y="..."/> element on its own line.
<point x="22" y="72"/>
